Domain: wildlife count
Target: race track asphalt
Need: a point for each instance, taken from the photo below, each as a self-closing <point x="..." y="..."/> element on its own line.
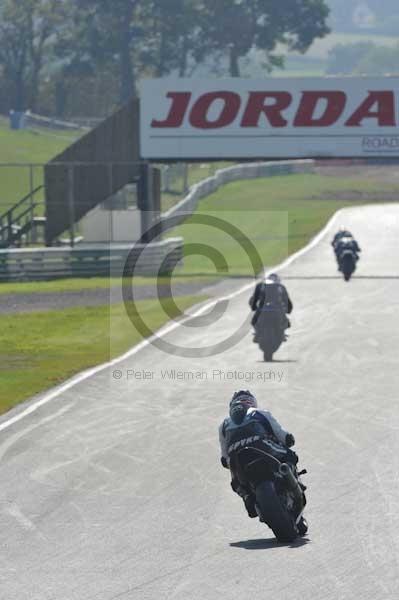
<point x="114" y="490"/>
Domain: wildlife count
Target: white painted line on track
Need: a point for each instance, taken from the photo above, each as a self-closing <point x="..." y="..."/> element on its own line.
<point x="162" y="332"/>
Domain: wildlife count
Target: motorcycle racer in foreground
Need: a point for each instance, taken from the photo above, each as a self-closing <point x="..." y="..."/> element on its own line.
<point x="260" y="429"/>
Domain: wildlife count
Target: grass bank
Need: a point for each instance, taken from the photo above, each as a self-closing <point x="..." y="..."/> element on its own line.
<point x="40" y="350"/>
<point x="91" y="283"/>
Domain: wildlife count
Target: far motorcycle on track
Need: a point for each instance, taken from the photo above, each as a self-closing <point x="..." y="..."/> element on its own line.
<point x="346" y="251"/>
<point x="347" y="264"/>
<point x="279" y="495"/>
<point x="271" y="304"/>
<point x="270" y="331"/>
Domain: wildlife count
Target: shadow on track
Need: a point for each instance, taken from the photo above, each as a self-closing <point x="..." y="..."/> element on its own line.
<point x="268" y="544"/>
<point x="276" y="360"/>
<point x="288" y="360"/>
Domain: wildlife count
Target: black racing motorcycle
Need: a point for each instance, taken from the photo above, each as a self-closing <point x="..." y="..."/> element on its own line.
<point x="347" y="263"/>
<point x="269" y="331"/>
<point x="279" y="496"/>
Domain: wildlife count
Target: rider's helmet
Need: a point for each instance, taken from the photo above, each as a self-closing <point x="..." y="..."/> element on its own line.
<point x="239" y="405"/>
<point x="343" y="232"/>
<point x="274" y="277"/>
<point x="245" y="398"/>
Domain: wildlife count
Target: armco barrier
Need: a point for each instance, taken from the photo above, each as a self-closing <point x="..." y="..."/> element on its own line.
<point x="98" y="260"/>
<point x="31" y="119"/>
<point x="237" y="172"/>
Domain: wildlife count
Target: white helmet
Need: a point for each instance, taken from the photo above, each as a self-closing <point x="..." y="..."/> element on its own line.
<point x="274" y="277"/>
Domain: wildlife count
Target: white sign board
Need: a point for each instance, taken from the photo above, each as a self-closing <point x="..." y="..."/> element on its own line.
<point x="270" y="118"/>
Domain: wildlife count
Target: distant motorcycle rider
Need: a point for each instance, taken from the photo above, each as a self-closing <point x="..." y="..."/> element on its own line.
<point x="348" y="243"/>
<point x="271" y="291"/>
<point x="345" y="244"/>
<point x="245" y="420"/>
<point x="342" y="233"/>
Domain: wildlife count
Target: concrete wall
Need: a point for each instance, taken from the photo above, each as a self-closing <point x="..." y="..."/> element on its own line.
<point x="96" y="260"/>
<point x="118" y="226"/>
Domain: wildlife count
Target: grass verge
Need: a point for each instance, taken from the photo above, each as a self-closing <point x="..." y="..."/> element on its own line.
<point x="91" y="283"/>
<point x="74" y="340"/>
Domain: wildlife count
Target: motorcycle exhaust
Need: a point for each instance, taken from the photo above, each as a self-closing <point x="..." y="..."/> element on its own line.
<point x="292" y="484"/>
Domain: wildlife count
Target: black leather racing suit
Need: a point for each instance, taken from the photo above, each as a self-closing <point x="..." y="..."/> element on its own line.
<point x="347" y="244"/>
<point x="275" y="294"/>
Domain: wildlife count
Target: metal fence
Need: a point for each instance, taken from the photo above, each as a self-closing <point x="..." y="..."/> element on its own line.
<point x="52" y="123"/>
<point x="22" y="204"/>
<point x="18" y="180"/>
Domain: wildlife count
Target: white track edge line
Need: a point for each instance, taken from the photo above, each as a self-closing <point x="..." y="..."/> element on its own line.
<point x="162" y="332"/>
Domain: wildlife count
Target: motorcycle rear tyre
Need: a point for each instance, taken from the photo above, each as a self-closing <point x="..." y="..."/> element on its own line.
<point x="274" y="514"/>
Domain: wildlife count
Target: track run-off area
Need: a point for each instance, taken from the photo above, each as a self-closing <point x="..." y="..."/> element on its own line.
<point x="113" y="489"/>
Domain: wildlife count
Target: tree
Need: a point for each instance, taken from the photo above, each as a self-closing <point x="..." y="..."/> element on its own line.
<point x="14" y="52"/>
<point x="73" y="55"/>
<point x="119" y="28"/>
<point x="26" y="31"/>
<point x="48" y="45"/>
<point x="237" y="26"/>
<point x="173" y="39"/>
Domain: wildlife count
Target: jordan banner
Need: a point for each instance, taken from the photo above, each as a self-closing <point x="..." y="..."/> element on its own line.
<point x="190" y="119"/>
